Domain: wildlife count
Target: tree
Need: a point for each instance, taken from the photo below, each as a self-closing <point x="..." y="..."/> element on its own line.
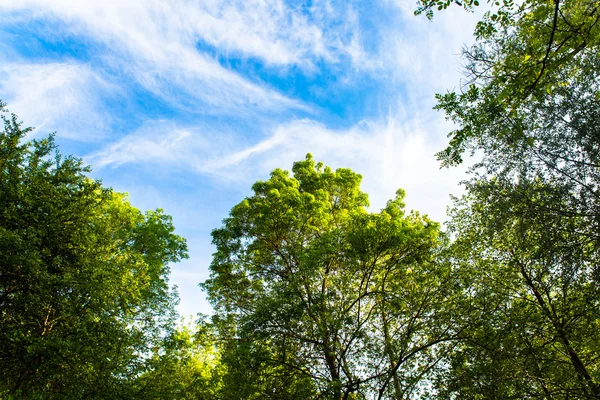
<point x="185" y="365"/>
<point x="252" y="374"/>
<point x="527" y="231"/>
<point x="83" y="276"/>
<point x="526" y="56"/>
<point x="533" y="277"/>
<point x="307" y="283"/>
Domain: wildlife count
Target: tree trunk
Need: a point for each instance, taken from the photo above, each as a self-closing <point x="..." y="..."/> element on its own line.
<point x="334" y="372"/>
<point x="390" y="356"/>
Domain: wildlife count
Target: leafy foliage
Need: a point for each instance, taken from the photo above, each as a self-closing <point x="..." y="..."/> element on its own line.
<point x="533" y="275"/>
<point x="185" y="365"/>
<point x="308" y="284"/>
<point x="527" y="231"/>
<point x="83" y="276"/>
<point x="526" y="56"/>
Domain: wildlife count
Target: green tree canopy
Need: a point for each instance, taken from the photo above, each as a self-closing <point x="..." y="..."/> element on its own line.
<point x="533" y="276"/>
<point x="83" y="276"/>
<point x="307" y="283"/>
<point x="527" y="231"/>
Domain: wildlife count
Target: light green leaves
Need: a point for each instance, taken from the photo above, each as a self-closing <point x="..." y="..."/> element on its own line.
<point x="313" y="286"/>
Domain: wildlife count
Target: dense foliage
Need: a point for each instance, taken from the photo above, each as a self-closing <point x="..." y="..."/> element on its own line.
<point x="83" y="277"/>
<point x="325" y="292"/>
<point x="526" y="232"/>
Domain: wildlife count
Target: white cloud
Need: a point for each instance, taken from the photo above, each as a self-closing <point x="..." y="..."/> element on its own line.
<point x="427" y="53"/>
<point x="62" y="96"/>
<point x="156" y="42"/>
<point x="390" y="155"/>
<point x="265" y="29"/>
<point x="165" y="146"/>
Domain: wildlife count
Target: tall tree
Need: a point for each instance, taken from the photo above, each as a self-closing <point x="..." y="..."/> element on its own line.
<point x="83" y="276"/>
<point x="527" y="232"/>
<point x="323" y="289"/>
<point x="532" y="272"/>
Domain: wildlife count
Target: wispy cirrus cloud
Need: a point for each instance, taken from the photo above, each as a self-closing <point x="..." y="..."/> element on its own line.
<point x="175" y="50"/>
<point x="426" y="54"/>
<point x="158" y="43"/>
<point x="390" y="155"/>
<point x="167" y="146"/>
<point x="164" y="142"/>
<point x="65" y="95"/>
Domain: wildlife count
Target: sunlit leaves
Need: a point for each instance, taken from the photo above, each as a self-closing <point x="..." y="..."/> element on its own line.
<point x="311" y="286"/>
<point x="83" y="276"/>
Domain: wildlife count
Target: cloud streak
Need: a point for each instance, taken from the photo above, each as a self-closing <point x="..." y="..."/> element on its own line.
<point x="390" y="155"/>
<point x="65" y="95"/>
<point x="156" y="42"/>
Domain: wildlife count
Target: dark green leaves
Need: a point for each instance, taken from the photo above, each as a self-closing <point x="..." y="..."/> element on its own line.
<point x="526" y="232"/>
<point x="83" y="276"/>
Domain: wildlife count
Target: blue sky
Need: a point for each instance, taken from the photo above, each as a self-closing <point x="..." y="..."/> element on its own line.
<point x="184" y="104"/>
